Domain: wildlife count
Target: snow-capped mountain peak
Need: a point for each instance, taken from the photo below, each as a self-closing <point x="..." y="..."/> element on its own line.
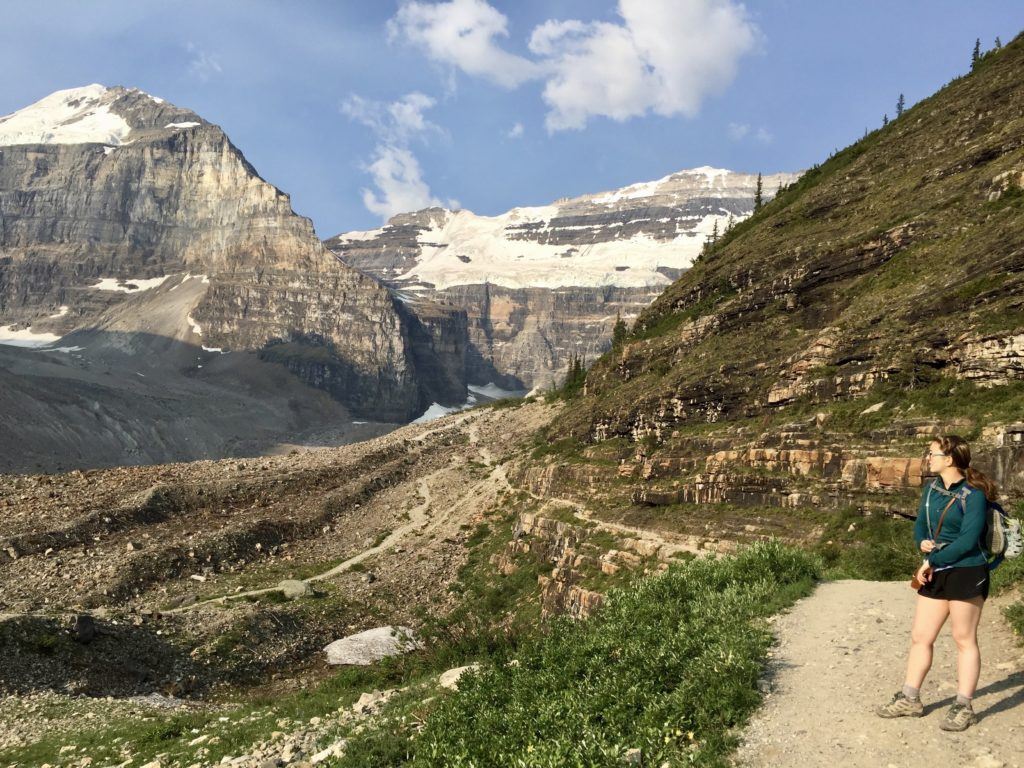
<point x="638" y="236"/>
<point x="91" y="114"/>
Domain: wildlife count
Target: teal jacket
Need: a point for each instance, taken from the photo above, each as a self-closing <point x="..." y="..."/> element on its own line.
<point x="962" y="531"/>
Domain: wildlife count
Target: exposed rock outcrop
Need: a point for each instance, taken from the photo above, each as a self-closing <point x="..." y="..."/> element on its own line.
<point x="152" y="191"/>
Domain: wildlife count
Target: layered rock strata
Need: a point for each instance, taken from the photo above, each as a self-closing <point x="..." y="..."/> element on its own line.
<point x="541" y="285"/>
<point x="102" y="187"/>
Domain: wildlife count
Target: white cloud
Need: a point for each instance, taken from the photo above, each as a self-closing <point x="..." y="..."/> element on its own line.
<point x="394" y="122"/>
<point x="665" y="57"/>
<point x="396" y="172"/>
<point x="202" y="64"/>
<point x="399" y="181"/>
<point x="516" y="131"/>
<point x="740" y="131"/>
<point x="461" y="33"/>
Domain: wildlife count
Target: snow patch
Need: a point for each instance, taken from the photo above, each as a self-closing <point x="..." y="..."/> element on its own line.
<point x="436" y="410"/>
<point x="196" y="328"/>
<point x="351" y="237"/>
<point x="495" y="392"/>
<point x="25" y="337"/>
<point x="73" y="116"/>
<point x="214" y="349"/>
<point x="65" y="350"/>
<point x="189" y="276"/>
<point x="182" y="125"/>
<point x="63" y="310"/>
<point x="632" y="192"/>
<point x="128" y="285"/>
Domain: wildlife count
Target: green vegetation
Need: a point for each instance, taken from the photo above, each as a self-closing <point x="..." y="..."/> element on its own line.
<point x="878" y="548"/>
<point x="575" y="378"/>
<point x="669" y="666"/>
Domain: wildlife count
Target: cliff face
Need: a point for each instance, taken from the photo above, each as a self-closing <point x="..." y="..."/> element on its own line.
<point x="101" y="187"/>
<point x="541" y="284"/>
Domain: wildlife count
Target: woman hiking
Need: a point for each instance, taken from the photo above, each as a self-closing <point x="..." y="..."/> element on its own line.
<point x="954" y="578"/>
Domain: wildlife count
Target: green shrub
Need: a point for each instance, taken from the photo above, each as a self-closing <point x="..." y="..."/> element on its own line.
<point x="669" y="665"/>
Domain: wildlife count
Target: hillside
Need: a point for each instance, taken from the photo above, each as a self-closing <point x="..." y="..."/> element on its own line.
<point x="802" y="363"/>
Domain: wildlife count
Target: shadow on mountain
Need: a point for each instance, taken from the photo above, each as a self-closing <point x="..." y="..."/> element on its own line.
<point x="112" y="398"/>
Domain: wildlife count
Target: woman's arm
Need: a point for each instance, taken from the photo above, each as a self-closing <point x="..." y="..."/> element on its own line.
<point x="971" y="528"/>
<point x="921" y="525"/>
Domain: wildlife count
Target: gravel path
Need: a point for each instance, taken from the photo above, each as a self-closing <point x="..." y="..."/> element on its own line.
<point x="842" y="651"/>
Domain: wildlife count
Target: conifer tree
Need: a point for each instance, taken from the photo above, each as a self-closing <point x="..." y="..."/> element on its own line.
<point x="714" y="234"/>
<point x="976" y="53"/>
<point x="885" y="120"/>
<point x="900" y="105"/>
<point x="619" y="330"/>
<point x="999" y="43"/>
<point x="758" y="200"/>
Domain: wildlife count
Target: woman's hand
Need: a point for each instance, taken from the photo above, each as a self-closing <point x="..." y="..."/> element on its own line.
<point x="927" y="545"/>
<point x="924" y="573"/>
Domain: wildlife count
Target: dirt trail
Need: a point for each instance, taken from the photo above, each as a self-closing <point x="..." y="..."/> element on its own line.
<point x="668" y="546"/>
<point x="842" y="651"/>
<point x="418" y="515"/>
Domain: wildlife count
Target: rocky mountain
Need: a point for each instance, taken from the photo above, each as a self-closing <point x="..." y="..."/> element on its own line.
<point x="116" y="206"/>
<point x="802" y="364"/>
<point x="541" y="284"/>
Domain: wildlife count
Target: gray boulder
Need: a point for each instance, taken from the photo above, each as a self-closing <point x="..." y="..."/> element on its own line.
<point x="293" y="589"/>
<point x="365" y="648"/>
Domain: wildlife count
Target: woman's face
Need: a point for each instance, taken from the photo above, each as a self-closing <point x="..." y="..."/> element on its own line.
<point x="937" y="460"/>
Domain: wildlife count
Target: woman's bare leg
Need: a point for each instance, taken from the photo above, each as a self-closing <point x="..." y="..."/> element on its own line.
<point x="929" y="616"/>
<point x="964" y="616"/>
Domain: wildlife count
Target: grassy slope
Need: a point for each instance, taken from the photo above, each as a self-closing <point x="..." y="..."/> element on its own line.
<point x="896" y="300"/>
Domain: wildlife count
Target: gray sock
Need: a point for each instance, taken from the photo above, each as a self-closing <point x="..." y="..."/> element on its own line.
<point x="911" y="692"/>
<point x="964" y="700"/>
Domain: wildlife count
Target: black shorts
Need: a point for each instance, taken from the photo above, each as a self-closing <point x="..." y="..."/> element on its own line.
<point x="958" y="583"/>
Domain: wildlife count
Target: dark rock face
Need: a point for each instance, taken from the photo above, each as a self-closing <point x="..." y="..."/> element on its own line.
<point x="540" y="285"/>
<point x="172" y="195"/>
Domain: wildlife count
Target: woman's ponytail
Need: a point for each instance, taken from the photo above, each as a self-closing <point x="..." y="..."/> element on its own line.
<point x="982" y="482"/>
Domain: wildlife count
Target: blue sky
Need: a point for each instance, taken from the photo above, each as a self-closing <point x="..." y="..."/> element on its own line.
<point x="361" y="108"/>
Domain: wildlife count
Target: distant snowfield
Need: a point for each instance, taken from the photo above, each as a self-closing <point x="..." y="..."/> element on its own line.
<point x="496" y="259"/>
<point x="462" y="248"/>
<point x="26" y="337"/>
<point x="495" y="392"/>
<point x="182" y="125"/>
<point x="73" y="116"/>
<point x="128" y="285"/>
<point x="491" y="391"/>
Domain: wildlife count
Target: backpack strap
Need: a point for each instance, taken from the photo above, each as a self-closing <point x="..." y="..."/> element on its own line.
<point x="943" y="517"/>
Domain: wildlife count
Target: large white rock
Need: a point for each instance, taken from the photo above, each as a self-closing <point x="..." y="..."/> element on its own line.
<point x="367" y="647"/>
<point x="450" y="679"/>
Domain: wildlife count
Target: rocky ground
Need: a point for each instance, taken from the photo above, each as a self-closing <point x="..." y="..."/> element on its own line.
<point x="165" y="579"/>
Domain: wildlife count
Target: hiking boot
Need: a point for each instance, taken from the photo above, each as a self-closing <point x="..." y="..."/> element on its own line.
<point x="901" y="706"/>
<point x="959" y="718"/>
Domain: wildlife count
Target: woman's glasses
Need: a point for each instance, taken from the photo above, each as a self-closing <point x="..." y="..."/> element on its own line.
<point x="929" y="454"/>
